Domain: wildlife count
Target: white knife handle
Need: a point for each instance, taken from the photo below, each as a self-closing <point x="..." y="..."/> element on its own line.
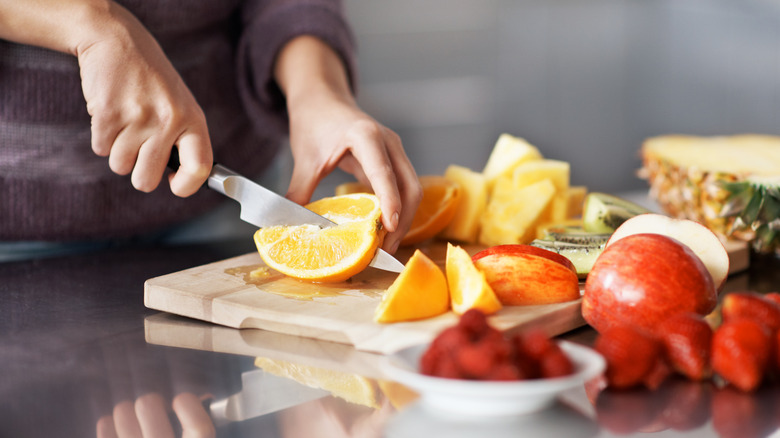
<point x="219" y="174"/>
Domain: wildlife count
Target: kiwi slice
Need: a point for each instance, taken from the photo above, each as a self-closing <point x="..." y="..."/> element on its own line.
<point x="582" y="256"/>
<point x="573" y="234"/>
<point x="603" y="213"/>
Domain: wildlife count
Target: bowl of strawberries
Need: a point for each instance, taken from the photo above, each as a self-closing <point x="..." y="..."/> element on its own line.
<point x="474" y="369"/>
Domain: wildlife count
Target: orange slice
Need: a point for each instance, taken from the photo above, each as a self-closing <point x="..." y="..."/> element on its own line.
<point x="419" y="292"/>
<point x="437" y="207"/>
<point x="311" y="253"/>
<point x="468" y="286"/>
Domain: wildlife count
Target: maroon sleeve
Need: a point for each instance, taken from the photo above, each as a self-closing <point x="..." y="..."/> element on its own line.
<point x="267" y="26"/>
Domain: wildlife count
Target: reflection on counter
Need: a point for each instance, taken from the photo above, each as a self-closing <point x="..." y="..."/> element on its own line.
<point x="560" y="420"/>
<point x="682" y="405"/>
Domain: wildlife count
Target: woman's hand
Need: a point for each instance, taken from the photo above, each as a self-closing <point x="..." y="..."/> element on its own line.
<point x="141" y="108"/>
<point x="148" y="416"/>
<point x="329" y="130"/>
<point x="139" y="105"/>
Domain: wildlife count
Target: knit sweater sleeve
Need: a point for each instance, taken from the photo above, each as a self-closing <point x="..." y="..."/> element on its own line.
<point x="267" y="26"/>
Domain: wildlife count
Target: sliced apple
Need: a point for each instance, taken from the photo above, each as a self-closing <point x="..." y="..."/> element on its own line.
<point x="527" y="275"/>
<point x="703" y="242"/>
<point x="468" y="287"/>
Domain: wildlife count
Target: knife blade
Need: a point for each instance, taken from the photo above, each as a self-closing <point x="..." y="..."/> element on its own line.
<point x="262" y="394"/>
<point x="264" y="208"/>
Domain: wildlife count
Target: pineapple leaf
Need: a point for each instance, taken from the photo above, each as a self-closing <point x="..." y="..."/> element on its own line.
<point x="766" y="239"/>
<point x="740" y="195"/>
<point x="753" y="208"/>
<point x="770" y="210"/>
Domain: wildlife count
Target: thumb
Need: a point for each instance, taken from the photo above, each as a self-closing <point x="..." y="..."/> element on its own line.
<point x="302" y="184"/>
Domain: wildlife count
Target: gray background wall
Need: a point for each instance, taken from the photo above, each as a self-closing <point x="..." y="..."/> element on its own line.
<point x="584" y="80"/>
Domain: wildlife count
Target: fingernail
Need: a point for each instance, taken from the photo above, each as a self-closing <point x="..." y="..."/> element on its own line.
<point x="396" y="219"/>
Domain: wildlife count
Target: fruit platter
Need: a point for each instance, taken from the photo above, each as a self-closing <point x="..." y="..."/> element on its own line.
<point x="533" y="255"/>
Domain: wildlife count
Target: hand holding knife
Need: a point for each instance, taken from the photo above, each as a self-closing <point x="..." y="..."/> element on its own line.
<point x="263" y="208"/>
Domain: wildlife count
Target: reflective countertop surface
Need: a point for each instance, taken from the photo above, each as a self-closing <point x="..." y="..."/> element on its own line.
<point x="81" y="356"/>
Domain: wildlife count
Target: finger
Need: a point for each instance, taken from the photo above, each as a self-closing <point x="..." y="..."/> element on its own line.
<point x="124" y="150"/>
<point x="152" y="416"/>
<point x="303" y="182"/>
<point x="408" y="186"/>
<point x="105" y="127"/>
<point x="196" y="159"/>
<point x="105" y="427"/>
<point x="125" y="421"/>
<point x="378" y="169"/>
<point x="151" y="162"/>
<point x="195" y="421"/>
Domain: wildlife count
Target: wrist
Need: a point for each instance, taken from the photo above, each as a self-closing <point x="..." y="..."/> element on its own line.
<point x="307" y="69"/>
<point x="61" y="25"/>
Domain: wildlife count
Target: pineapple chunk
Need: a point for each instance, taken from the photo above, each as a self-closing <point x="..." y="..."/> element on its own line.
<point x="557" y="172"/>
<point x="464" y="226"/>
<point x="508" y="153"/>
<point x="513" y="214"/>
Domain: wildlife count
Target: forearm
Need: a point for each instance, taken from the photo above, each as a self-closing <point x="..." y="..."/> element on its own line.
<point x="62" y="25"/>
<point x="308" y="67"/>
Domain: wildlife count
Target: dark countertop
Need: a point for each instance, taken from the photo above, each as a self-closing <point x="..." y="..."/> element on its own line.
<point x="76" y="356"/>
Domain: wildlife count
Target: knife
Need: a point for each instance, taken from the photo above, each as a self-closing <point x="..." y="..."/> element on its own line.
<point x="263" y="208"/>
<point x="262" y="394"/>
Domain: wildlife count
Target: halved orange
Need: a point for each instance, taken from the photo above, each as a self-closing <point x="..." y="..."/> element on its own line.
<point x="419" y="292"/>
<point x="311" y="253"/>
<point x="437" y="207"/>
<point x="468" y="286"/>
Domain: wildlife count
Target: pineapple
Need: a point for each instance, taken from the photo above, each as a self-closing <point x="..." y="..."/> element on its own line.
<point x="508" y="153"/>
<point x="513" y="214"/>
<point x="557" y="172"/>
<point x="464" y="226"/>
<point x="730" y="184"/>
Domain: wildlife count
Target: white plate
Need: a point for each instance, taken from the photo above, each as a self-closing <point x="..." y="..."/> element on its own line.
<point x="491" y="398"/>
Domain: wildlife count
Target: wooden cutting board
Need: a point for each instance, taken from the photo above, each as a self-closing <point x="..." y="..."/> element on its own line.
<point x="225" y="293"/>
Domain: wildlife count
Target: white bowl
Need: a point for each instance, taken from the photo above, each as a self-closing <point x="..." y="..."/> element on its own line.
<point x="491" y="398"/>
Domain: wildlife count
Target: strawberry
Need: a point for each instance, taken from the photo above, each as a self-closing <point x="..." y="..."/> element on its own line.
<point x="741" y="352"/>
<point x="473" y="322"/>
<point x="630" y="355"/>
<point x="686" y="340"/>
<point x="477" y="360"/>
<point x="773" y="296"/>
<point x="555" y="363"/>
<point x="751" y="305"/>
<point x="503" y="371"/>
<point x="658" y="373"/>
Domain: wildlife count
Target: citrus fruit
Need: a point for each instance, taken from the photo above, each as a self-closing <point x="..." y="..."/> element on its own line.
<point x="419" y="292"/>
<point x="351" y="387"/>
<point x="308" y="252"/>
<point x="437" y="208"/>
<point x="468" y="286"/>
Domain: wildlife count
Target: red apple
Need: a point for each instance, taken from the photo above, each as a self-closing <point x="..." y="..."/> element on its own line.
<point x="525" y="274"/>
<point x="704" y="243"/>
<point x="642" y="279"/>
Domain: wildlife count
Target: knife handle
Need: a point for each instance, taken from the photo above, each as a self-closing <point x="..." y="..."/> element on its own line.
<point x="217" y="178"/>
